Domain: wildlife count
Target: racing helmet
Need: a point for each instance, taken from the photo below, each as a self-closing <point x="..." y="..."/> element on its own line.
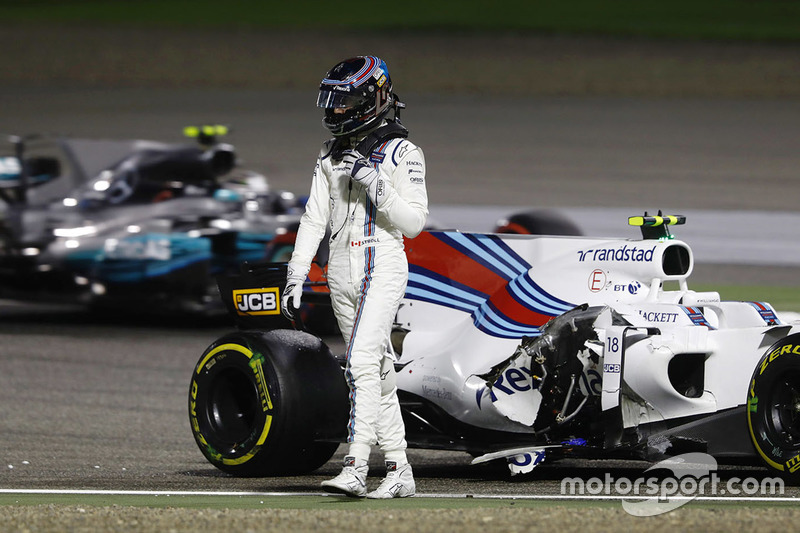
<point x="356" y="94"/>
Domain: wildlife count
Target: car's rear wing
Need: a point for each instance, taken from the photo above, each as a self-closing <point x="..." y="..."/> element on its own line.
<point x="253" y="297"/>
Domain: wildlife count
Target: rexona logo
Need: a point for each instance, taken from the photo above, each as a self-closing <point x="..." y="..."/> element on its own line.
<point x="256" y="301"/>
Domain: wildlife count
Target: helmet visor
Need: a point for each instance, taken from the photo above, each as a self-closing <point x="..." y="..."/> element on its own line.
<point x="331" y="99"/>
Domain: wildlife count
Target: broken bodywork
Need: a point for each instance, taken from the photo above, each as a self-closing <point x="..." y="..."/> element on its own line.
<point x="633" y="371"/>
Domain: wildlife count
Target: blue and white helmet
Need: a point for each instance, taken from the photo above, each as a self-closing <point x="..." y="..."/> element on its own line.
<point x="361" y="90"/>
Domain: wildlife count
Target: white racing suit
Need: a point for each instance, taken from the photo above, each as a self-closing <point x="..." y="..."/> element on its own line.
<point x="367" y="275"/>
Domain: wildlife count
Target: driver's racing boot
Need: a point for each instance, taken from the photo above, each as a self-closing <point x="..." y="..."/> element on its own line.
<point x="398" y="483"/>
<point x="352" y="481"/>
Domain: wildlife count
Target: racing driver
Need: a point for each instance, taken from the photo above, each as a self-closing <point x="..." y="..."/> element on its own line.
<point x="368" y="190"/>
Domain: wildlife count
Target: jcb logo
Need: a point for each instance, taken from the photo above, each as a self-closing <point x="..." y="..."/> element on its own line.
<point x="256" y="301"/>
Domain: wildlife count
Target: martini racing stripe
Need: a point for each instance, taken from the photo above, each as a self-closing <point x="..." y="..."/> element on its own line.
<point x="515" y="305"/>
<point x="766" y="313"/>
<point x="489" y="320"/>
<point x="536" y="297"/>
<point x="369" y="266"/>
<point x="429" y="251"/>
<point x="489" y="251"/>
<point x="359" y="77"/>
<point x="495" y="287"/>
<point x="378" y="155"/>
<point x="366" y="71"/>
<point x="496" y="246"/>
<point x="366" y="281"/>
<point x="426" y="287"/>
<point x="369" y="219"/>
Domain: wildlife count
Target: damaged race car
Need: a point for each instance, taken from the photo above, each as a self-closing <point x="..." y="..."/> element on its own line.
<point x="516" y="348"/>
<point x="134" y="224"/>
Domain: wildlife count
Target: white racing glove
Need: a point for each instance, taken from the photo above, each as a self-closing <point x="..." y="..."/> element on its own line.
<point x="361" y="172"/>
<point x="290" y="299"/>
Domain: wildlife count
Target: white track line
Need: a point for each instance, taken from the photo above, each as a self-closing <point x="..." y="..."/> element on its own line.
<point x="543" y="497"/>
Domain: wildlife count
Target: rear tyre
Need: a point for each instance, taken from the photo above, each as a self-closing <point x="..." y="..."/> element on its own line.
<point x="538" y="222"/>
<point x="773" y="408"/>
<point x="268" y="403"/>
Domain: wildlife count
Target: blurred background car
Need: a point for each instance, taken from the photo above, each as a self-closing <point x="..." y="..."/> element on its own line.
<point x="134" y="224"/>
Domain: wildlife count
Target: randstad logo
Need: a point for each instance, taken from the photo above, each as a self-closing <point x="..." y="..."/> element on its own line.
<point x="621" y="254"/>
<point x="256" y="301"/>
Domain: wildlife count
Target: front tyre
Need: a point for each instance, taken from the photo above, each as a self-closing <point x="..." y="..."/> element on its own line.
<point x="773" y="408"/>
<point x="264" y="403"/>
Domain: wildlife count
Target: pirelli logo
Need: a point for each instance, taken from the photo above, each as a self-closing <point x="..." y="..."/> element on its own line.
<point x="256" y="301"/>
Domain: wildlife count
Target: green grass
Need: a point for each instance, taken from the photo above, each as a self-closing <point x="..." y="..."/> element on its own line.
<point x="781" y="298"/>
<point x="686" y="19"/>
<point x="318" y="513"/>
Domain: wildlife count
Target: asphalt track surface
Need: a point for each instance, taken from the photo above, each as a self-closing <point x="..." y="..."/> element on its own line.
<point x="100" y="403"/>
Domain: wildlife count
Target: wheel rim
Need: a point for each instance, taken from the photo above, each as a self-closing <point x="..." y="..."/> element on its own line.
<point x="784" y="413"/>
<point x="233" y="397"/>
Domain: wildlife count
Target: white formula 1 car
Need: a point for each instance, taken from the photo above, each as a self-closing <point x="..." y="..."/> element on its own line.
<point x="513" y="347"/>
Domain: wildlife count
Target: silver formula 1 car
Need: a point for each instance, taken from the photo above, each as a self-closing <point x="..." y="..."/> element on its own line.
<point x="134" y="224"/>
<point x="516" y="348"/>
